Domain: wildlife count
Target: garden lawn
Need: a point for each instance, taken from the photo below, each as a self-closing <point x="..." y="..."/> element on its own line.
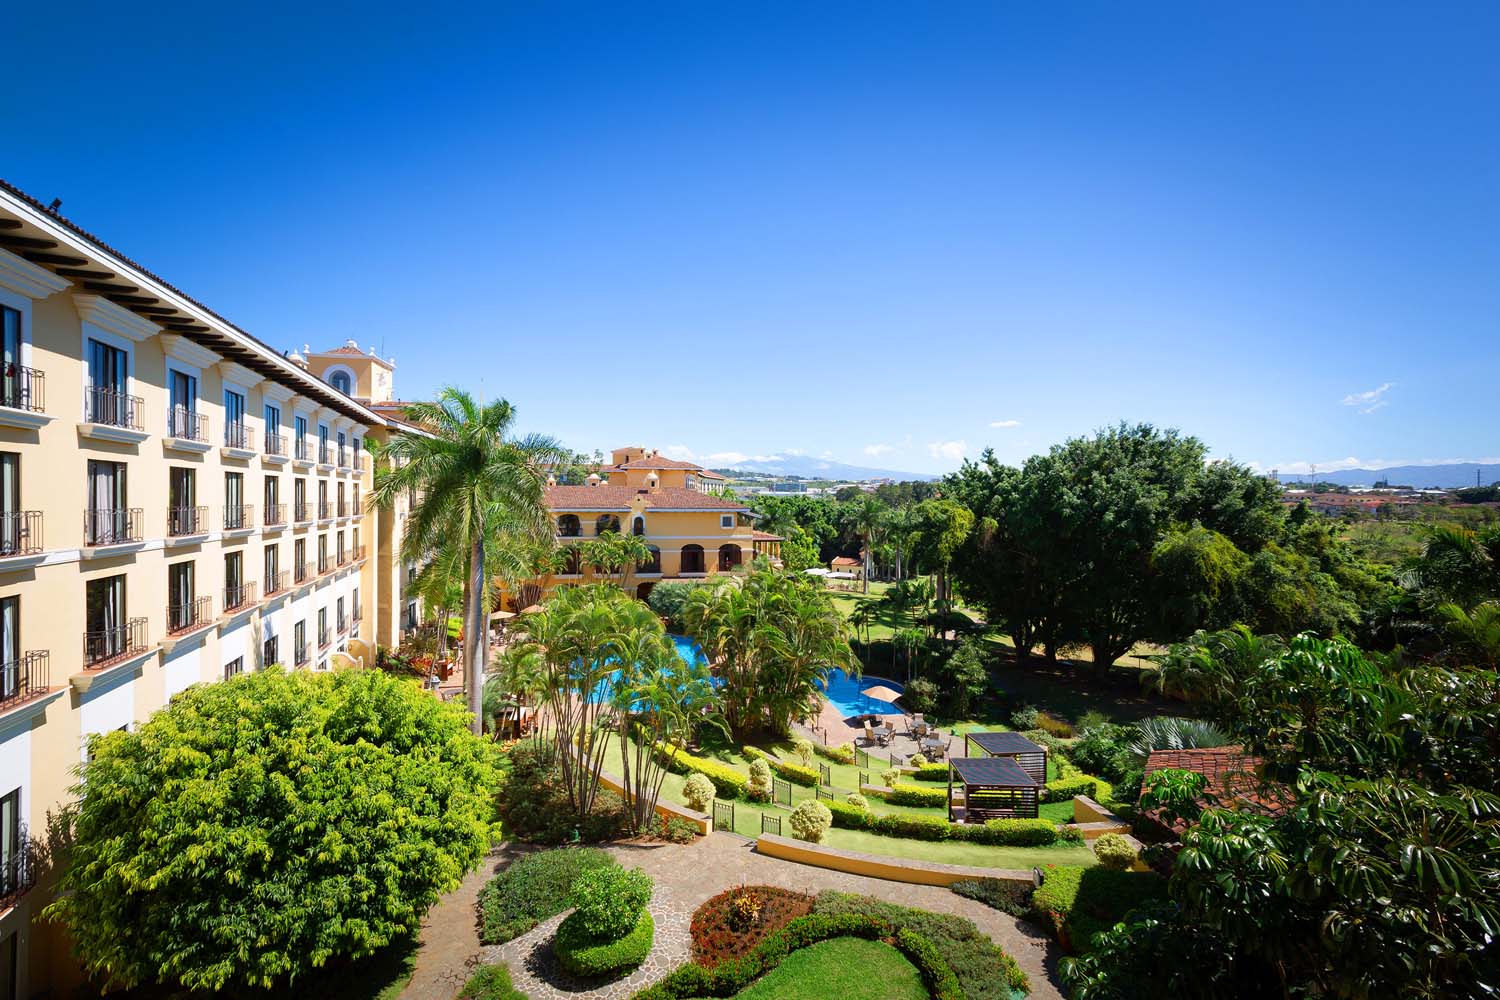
<point x="847" y="968"/>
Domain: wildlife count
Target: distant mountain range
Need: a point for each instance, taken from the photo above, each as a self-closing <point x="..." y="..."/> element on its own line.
<point x="1422" y="477"/>
<point x="808" y="467"/>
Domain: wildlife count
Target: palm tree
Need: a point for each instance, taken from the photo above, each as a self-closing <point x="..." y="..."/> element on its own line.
<point x="868" y="519"/>
<point x="473" y="480"/>
<point x="614" y="553"/>
<point x="1475" y="633"/>
<point x="900" y="523"/>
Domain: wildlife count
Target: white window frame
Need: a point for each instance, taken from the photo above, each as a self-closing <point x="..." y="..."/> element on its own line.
<point x="22" y="304"/>
<point x="726" y="521"/>
<point x="342" y="370"/>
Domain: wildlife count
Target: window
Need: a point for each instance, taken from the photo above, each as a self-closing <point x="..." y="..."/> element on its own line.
<point x="11" y="869"/>
<point x="342" y="508"/>
<point x="182" y="493"/>
<point x="273" y="499"/>
<point x="104" y="617"/>
<point x="180" y="597"/>
<point x="299" y="558"/>
<point x="339" y="616"/>
<point x="107" y="520"/>
<point x="105" y="401"/>
<point x="234" y="667"/>
<point x="234" y="580"/>
<point x="299" y="642"/>
<point x="15" y="529"/>
<point x="323" y="444"/>
<point x="10" y="648"/>
<point x="343" y="383"/>
<point x="299" y="431"/>
<point x="692" y="481"/>
<point x="273" y="430"/>
<point x="339" y="547"/>
<point x="272" y="568"/>
<point x="234" y="501"/>
<point x="322" y="626"/>
<point x="638" y="526"/>
<point x="322" y="553"/>
<point x="13" y="382"/>
<point x="107" y="367"/>
<point x="268" y="652"/>
<point x="299" y="498"/>
<point x="343" y="454"/>
<point x="182" y="396"/>
<point x="323" y="510"/>
<point x="354" y="601"/>
<point x="234" y="419"/>
<point x="726" y="520"/>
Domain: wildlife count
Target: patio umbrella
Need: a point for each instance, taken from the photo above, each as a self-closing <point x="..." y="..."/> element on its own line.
<point x="531" y="610"/>
<point x="881" y="693"/>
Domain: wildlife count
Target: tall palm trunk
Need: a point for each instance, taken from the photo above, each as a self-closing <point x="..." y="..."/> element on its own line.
<point x="475" y="647"/>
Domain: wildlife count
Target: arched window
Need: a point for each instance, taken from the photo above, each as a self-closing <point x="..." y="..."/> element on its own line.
<point x="606" y="523"/>
<point x="652" y="565"/>
<point x="729" y="556"/>
<point x="638" y="526"/>
<point x="343" y="383"/>
<point x="568" y="526"/>
<point x="573" y="561"/>
<point x="692" y="559"/>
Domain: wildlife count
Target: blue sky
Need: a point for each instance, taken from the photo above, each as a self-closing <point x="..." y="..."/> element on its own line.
<point x="888" y="234"/>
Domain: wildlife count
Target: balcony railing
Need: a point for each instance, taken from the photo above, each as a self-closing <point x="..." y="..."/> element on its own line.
<point x="304" y="511"/>
<point x="114" y="409"/>
<point x="240" y="596"/>
<point x="276" y="583"/>
<point x="275" y="444"/>
<point x="20" y="532"/>
<point x="236" y="436"/>
<point x="343" y="458"/>
<point x="343" y="508"/>
<point x="275" y="514"/>
<point x="303" y="450"/>
<point x="186" y="521"/>
<point x="359" y="553"/>
<point x="359" y="507"/>
<point x="299" y="575"/>
<point x="23" y="388"/>
<point x="24" y="679"/>
<point x="359" y="615"/>
<point x="19" y="871"/>
<point x="324" y="638"/>
<point x="112" y="526"/>
<point x="301" y="655"/>
<point x="239" y="516"/>
<point x="324" y="563"/>
<point x="186" y="617"/>
<point x="325" y="455"/>
<point x="325" y="510"/>
<point x="343" y="557"/>
<point x="104" y="646"/>
<point x="184" y="423"/>
<point x="343" y="625"/>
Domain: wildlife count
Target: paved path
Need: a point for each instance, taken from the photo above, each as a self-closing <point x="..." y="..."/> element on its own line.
<point x="450" y="938"/>
<point x="689" y="874"/>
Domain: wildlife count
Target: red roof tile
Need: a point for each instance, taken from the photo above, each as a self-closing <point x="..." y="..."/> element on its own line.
<point x="846" y="561"/>
<point x="606" y="497"/>
<point x="1232" y="779"/>
<point x="766" y="536"/>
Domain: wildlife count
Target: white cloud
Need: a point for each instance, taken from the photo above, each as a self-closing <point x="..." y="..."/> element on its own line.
<point x="794" y="451"/>
<point x="951" y="450"/>
<point x="826" y="454"/>
<point x="1369" y="402"/>
<point x="876" y="450"/>
<point x="1004" y="424"/>
<point x="681" y="452"/>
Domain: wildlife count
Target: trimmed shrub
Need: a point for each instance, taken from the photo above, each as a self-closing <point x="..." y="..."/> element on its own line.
<point x="938" y="977"/>
<point x="916" y="795"/>
<point x="890" y="776"/>
<point x="848" y="817"/>
<point x="1016" y="832"/>
<point x="1063" y="789"/>
<point x="759" y="788"/>
<point x="1114" y="852"/>
<point x="998" y="893"/>
<point x="857" y="800"/>
<point x="490" y="982"/>
<point x="930" y="772"/>
<point x="1024" y="718"/>
<point x="917" y="760"/>
<point x="728" y="783"/>
<point x="803" y="748"/>
<point x="609" y="901"/>
<point x="795" y="773"/>
<point x="842" y="754"/>
<point x="531" y="889"/>
<point x="915" y="827"/>
<point x="699" y="792"/>
<point x="810" y="821"/>
<point x="585" y="956"/>
<point x="1078" y="903"/>
<point x="1069" y="834"/>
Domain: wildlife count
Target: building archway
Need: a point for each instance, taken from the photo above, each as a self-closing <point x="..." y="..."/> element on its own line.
<point x="729" y="556"/>
<point x="692" y="558"/>
<point x="607" y="523"/>
<point x="638" y="525"/>
<point x="653" y="564"/>
<point x="568" y="526"/>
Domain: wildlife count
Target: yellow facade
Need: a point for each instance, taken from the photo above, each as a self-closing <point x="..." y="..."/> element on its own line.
<point x="178" y="502"/>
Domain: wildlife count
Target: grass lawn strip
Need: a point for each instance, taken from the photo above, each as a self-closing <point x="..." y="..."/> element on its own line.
<point x="845" y="968"/>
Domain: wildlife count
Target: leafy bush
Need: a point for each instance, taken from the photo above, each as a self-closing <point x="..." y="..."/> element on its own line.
<point x="890" y="776"/>
<point x="803" y="748"/>
<point x="669" y="599"/>
<point x="609" y="900"/>
<point x="1018" y="832"/>
<point x="1105" y="749"/>
<point x="937" y="976"/>
<point x="1080" y="902"/>
<point x="533" y="803"/>
<point x="795" y="773"/>
<point x="984" y="971"/>
<point x="717" y="933"/>
<point x="698" y="792"/>
<point x="1114" y="852"/>
<point x="917" y="760"/>
<point x="915" y="827"/>
<point x="857" y="800"/>
<point x="1092" y="719"/>
<point x="1057" y="727"/>
<point x="847" y="817"/>
<point x="759" y="788"/>
<point x="1024" y="718"/>
<point x="728" y="783"/>
<point x="247" y="832"/>
<point x="1042" y="738"/>
<point x="916" y="795"/>
<point x="931" y="772"/>
<point x="810" y="821"/>
<point x="841" y="754"/>
<point x="921" y="695"/>
<point x="490" y="982"/>
<point x="1063" y="789"/>
<point x="585" y="956"/>
<point x="533" y="888"/>
<point x="1000" y="894"/>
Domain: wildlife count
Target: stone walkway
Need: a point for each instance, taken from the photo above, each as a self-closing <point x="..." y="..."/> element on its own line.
<point x="687" y="875"/>
<point x="450" y="937"/>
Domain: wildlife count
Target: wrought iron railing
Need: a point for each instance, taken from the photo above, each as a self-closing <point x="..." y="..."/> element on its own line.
<point x="238" y="516"/>
<point x="186" y="521"/>
<point x="237" y="435"/>
<point x="301" y="655"/>
<point x="304" y="511"/>
<point x="278" y="582"/>
<point x="106" y="645"/>
<point x="23" y="388"/>
<point x="24" y="679"/>
<point x="19" y="871"/>
<point x="303" y="451"/>
<point x="20" y="532"/>
<point x="300" y="575"/>
<point x="325" y="510"/>
<point x="275" y="444"/>
<point x="189" y="615"/>
<point x="275" y="514"/>
<point x="239" y="596"/>
<point x="113" y="409"/>
<point x="112" y="526"/>
<point x="184" y="423"/>
<point x="325" y="638"/>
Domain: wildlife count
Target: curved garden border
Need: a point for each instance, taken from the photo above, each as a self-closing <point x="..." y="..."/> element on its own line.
<point x="879" y="865"/>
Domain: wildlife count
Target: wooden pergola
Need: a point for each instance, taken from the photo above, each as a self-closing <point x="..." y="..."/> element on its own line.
<point x="994" y="788"/>
<point x="1031" y="756"/>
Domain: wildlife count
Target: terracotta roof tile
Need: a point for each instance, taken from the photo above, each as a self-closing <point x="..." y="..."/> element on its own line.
<point x="766" y="536"/>
<point x="1232" y="779"/>
<point x="620" y="497"/>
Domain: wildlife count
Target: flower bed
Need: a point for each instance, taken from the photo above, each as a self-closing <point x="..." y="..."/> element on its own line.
<point x="723" y="928"/>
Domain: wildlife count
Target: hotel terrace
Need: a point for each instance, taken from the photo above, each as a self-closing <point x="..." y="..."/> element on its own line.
<point x="692" y="533"/>
<point x="178" y="503"/>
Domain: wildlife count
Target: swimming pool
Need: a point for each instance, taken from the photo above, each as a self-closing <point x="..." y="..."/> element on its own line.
<point x="847" y="694"/>
<point x="687" y="651"/>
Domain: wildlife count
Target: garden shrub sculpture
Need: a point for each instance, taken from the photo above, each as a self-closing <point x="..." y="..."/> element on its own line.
<point x="1115" y="852"/>
<point x="803" y="748"/>
<point x="760" y="781"/>
<point x="611" y="930"/>
<point x="533" y="888"/>
<point x="856" y="800"/>
<point x="810" y="821"/>
<point x="699" y="792"/>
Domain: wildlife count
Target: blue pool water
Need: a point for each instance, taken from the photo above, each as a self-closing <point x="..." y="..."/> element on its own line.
<point x="687" y="651"/>
<point x="847" y="694"/>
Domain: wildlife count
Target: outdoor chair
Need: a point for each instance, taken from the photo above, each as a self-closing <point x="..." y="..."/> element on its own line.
<point x="869" y="735"/>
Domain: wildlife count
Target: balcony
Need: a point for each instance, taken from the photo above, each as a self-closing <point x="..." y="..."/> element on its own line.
<point x="19" y="871"/>
<point x="275" y="515"/>
<point x="359" y="553"/>
<point x="343" y="508"/>
<point x="277" y="583"/>
<point x="301" y="573"/>
<point x="184" y="521"/>
<point x="21" y="398"/>
<point x="324" y="638"/>
<point x="114" y="643"/>
<point x="237" y="441"/>
<point x="186" y="430"/>
<point x="195" y="614"/>
<point x="239" y="517"/>
<point x="20" y="533"/>
<point x="275" y="444"/>
<point x="240" y="596"/>
<point x="325" y="511"/>
<point x="359" y="507"/>
<point x="302" y="452"/>
<point x="343" y="557"/>
<point x="300" y="656"/>
<point x="359" y="615"/>
<point x="112" y="526"/>
<point x="304" y="512"/>
<point x="343" y="625"/>
<point x="110" y="415"/>
<point x="325" y="564"/>
<point x="325" y="455"/>
<point x="24" y="679"/>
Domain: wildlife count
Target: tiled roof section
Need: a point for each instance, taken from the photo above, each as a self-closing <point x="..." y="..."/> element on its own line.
<point x="620" y="497"/>
<point x="1232" y="779"/>
<point x="657" y="462"/>
<point x="766" y="536"/>
<point x="845" y="561"/>
<point x="345" y="349"/>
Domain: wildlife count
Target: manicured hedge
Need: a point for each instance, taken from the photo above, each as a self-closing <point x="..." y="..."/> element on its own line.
<point x="531" y="889"/>
<point x="1015" y="832"/>
<point x="1080" y="902"/>
<point x="728" y="783"/>
<point x="842" y="754"/>
<point x="941" y="983"/>
<point x="1009" y="832"/>
<point x="1070" y="781"/>
<point x="583" y="955"/>
<point x="795" y="773"/>
<point x="915" y="795"/>
<point x="930" y="772"/>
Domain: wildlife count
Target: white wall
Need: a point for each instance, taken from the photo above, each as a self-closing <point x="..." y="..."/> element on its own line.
<point x="183" y="668"/>
<point x="15" y="766"/>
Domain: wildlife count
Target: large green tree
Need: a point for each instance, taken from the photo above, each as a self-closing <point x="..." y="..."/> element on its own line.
<point x="255" y="830"/>
<point x="473" y="480"/>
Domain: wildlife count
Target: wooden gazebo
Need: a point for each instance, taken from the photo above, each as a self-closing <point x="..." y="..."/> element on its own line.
<point x="1031" y="756"/>
<point x="994" y="788"/>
